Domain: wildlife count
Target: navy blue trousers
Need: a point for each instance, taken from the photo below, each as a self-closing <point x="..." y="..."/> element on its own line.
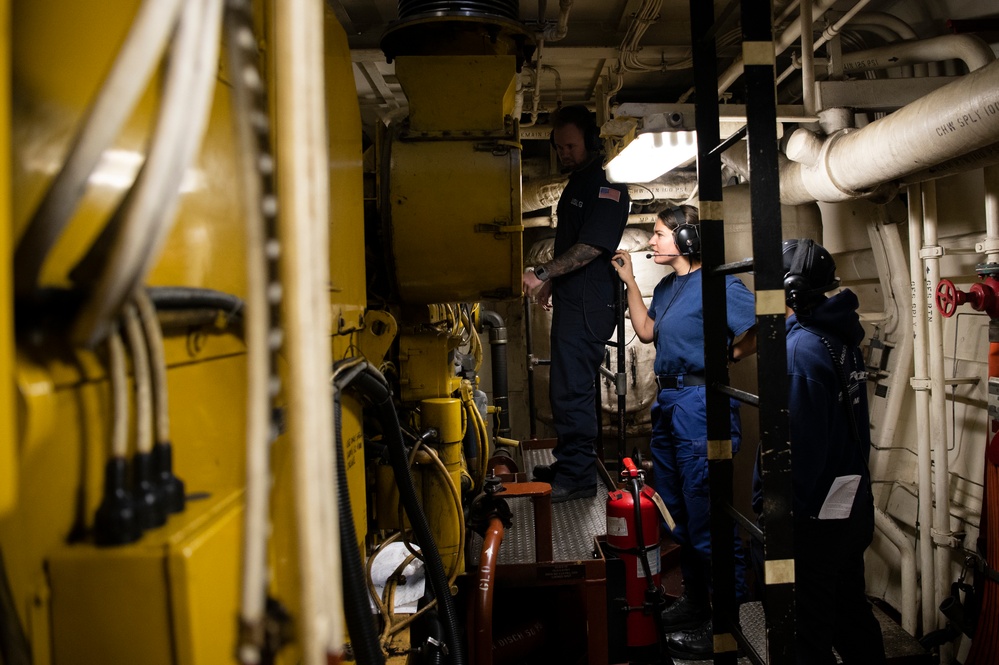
<point x="680" y="476"/>
<point x="578" y="344"/>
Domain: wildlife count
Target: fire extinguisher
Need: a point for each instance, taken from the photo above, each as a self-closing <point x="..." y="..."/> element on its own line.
<point x="633" y="534"/>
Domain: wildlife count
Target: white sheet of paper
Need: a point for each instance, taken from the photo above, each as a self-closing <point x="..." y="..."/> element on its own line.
<point x="839" y="500"/>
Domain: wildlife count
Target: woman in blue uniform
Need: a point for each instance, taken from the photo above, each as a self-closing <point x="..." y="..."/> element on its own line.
<point x="674" y="322"/>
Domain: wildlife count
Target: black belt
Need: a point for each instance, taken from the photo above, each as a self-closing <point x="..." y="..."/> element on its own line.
<point x="674" y="381"/>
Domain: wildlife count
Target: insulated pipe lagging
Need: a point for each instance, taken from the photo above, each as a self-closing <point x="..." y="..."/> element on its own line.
<point x="973" y="51"/>
<point x="498" y="348"/>
<point x="357" y="607"/>
<point x="947" y="123"/>
<point x="907" y="554"/>
<point x="374" y="386"/>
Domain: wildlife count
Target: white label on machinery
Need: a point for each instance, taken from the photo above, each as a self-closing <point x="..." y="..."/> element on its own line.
<point x="617" y="526"/>
<point x="653" y="557"/>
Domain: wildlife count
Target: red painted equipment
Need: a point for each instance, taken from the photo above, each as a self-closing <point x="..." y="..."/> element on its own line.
<point x="984" y="297"/>
<point x="633" y="532"/>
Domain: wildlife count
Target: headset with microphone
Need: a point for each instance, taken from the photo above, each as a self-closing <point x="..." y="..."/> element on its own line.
<point x="686" y="237"/>
<point x="809" y="272"/>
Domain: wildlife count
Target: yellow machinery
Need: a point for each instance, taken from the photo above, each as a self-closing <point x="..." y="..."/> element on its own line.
<point x="117" y="188"/>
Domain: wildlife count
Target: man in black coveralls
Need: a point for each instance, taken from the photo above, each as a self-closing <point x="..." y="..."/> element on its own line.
<point x="579" y="285"/>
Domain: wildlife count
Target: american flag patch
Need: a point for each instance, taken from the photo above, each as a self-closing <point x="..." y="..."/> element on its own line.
<point x="609" y="193"/>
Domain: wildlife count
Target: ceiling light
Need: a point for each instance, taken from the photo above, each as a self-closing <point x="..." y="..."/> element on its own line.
<point x="649" y="155"/>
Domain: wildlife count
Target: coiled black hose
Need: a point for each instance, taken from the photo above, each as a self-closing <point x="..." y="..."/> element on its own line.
<point x="374" y="386"/>
<point x="363" y="635"/>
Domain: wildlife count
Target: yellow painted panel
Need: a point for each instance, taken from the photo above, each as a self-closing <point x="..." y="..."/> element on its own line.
<point x="457" y="93"/>
<point x="455" y="221"/>
<point x="8" y="454"/>
<point x="425" y="370"/>
<point x="348" y="288"/>
<point x="170" y="598"/>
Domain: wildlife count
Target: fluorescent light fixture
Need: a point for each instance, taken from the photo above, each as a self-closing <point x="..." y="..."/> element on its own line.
<point x="649" y="155"/>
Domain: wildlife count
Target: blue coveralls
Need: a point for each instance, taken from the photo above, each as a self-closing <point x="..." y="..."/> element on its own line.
<point x="680" y="425"/>
<point x="831" y="607"/>
<point x="592" y="211"/>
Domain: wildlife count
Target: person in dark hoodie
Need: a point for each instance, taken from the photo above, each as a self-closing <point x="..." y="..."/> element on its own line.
<point x="833" y="509"/>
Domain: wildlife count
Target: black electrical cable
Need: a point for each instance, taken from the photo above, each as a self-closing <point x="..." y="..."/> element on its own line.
<point x="183" y="297"/>
<point x="374" y="386"/>
<point x="363" y="635"/>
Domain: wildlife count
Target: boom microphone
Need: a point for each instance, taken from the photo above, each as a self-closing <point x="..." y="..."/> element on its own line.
<point x="649" y="256"/>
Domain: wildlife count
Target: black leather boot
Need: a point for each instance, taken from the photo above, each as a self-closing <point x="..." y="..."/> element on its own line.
<point x="685" y="614"/>
<point x="696" y="644"/>
<point x="544" y="473"/>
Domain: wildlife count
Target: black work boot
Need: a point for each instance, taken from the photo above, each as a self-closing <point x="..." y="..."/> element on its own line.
<point x="544" y="473"/>
<point x="696" y="644"/>
<point x="685" y="614"/>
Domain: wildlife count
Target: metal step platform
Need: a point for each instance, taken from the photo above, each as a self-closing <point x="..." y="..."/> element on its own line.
<point x="576" y="529"/>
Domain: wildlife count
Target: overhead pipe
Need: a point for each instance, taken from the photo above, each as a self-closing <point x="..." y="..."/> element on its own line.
<point x="920" y="384"/>
<point x="972" y="50"/>
<point x="782" y="43"/>
<point x="829" y="33"/>
<point x="560" y="29"/>
<point x="899" y="29"/>
<point x="945" y="124"/>
<point x="805" y="22"/>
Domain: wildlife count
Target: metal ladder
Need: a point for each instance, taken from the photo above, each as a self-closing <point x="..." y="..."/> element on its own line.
<point x="758" y="56"/>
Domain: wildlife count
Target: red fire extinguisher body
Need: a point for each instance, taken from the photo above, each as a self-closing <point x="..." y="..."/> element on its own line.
<point x="622" y="536"/>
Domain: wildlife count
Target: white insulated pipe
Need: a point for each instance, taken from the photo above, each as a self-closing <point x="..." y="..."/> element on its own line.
<point x="920" y="384"/>
<point x="895" y="286"/>
<point x="945" y="124"/>
<point x="805" y="21"/>
<point x="991" y="244"/>
<point x="938" y="408"/>
<point x="973" y="51"/>
<point x="907" y="562"/>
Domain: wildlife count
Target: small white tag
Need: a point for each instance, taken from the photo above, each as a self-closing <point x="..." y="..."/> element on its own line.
<point x="663" y="510"/>
<point x="839" y="500"/>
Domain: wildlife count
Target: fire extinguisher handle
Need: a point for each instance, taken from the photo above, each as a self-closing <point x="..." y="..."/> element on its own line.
<point x="629" y="470"/>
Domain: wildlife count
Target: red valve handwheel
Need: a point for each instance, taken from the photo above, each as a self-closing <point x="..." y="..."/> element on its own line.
<point x="948" y="298"/>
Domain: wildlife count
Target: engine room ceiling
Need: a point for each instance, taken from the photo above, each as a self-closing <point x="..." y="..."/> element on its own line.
<point x="588" y="60"/>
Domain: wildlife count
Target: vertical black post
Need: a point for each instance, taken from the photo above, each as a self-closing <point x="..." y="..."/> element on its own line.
<point x="778" y="544"/>
<point x="532" y="409"/>
<point x="622" y="372"/>
<point x="719" y="433"/>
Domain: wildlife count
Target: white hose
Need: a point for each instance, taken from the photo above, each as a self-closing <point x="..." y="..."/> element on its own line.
<point x="119" y="395"/>
<point x="303" y="192"/>
<point x="157" y="363"/>
<point x="143" y="387"/>
<point x="147" y="213"/>
<point x="153" y="24"/>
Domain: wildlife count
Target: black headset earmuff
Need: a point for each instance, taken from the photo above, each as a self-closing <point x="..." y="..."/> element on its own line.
<point x="687" y="237"/>
<point x="795" y="282"/>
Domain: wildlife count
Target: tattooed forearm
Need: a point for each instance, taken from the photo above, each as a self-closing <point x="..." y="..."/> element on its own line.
<point x="574" y="258"/>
